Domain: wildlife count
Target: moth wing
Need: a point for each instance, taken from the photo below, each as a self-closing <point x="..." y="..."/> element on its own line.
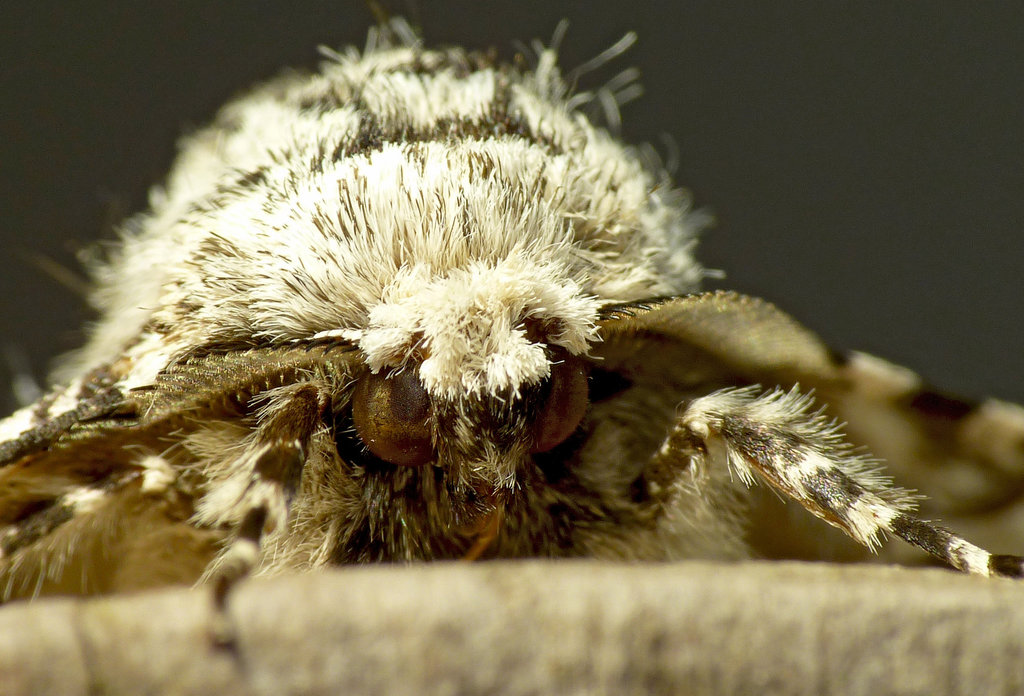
<point x="91" y="493"/>
<point x="967" y="458"/>
<point x="68" y="500"/>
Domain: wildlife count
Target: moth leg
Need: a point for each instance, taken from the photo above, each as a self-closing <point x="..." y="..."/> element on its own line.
<point x="777" y="438"/>
<point x="258" y="487"/>
<point x="234" y="565"/>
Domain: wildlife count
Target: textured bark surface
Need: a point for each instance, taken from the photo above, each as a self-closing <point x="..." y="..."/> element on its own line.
<point x="536" y="627"/>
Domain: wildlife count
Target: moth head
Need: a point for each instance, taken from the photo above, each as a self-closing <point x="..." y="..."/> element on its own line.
<point x="474" y="370"/>
<point x="401" y="423"/>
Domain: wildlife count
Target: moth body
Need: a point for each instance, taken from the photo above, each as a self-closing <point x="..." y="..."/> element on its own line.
<point x="418" y="306"/>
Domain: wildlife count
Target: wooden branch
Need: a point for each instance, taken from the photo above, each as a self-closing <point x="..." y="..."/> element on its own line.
<point x="536" y="627"/>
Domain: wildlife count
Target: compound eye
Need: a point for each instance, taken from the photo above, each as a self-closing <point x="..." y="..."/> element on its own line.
<point x="391" y="413"/>
<point x="565" y="403"/>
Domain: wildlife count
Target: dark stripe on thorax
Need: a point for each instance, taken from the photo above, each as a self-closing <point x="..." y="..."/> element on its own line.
<point x="498" y="122"/>
<point x="375" y="133"/>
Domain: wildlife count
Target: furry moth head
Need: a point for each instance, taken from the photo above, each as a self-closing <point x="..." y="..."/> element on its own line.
<point x="417" y="305"/>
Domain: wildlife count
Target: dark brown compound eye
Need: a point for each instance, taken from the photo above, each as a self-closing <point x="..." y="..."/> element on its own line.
<point x="565" y="403"/>
<point x="391" y="413"/>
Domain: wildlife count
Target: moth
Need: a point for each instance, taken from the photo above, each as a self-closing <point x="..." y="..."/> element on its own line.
<point x="421" y="305"/>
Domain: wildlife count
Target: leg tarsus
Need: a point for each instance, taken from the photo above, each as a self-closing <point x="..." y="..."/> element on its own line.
<point x="233" y="566"/>
<point x="1006" y="566"/>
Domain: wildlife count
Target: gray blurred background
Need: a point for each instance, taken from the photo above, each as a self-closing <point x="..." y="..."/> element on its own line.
<point x="865" y="163"/>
